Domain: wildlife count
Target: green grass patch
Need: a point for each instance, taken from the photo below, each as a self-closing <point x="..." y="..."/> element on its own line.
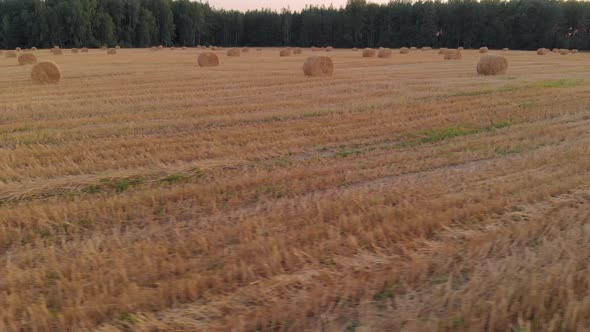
<point x="175" y="178"/>
<point x="348" y="153"/>
<point x="472" y="93"/>
<point x="563" y="83"/>
<point x="441" y="134"/>
<point x="121" y="185"/>
<point x="311" y="114"/>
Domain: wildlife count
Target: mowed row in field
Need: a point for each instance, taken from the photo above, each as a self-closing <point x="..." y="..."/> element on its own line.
<point x="408" y="193"/>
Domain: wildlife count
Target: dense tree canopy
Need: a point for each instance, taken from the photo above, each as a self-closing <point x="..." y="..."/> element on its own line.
<point x="517" y="24"/>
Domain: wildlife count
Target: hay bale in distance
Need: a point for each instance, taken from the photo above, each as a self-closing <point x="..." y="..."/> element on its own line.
<point x="369" y="53"/>
<point x="329" y="49"/>
<point x="117" y="47"/>
<point x="84" y="50"/>
<point x="453" y="55"/>
<point x="11" y="54"/>
<point x="75" y="50"/>
<point x="208" y="59"/>
<point x="27" y="59"/>
<point x="45" y="72"/>
<point x="245" y="50"/>
<point x="404" y="50"/>
<point x="233" y="52"/>
<point x="285" y="52"/>
<point x="491" y="64"/>
<point x="542" y="51"/>
<point x="18" y="49"/>
<point x="460" y="48"/>
<point x="574" y="51"/>
<point x="297" y="50"/>
<point x="564" y="51"/>
<point x="56" y="51"/>
<point x="505" y="49"/>
<point x="104" y="47"/>
<point x="413" y="48"/>
<point x="318" y="66"/>
<point x="33" y="48"/>
<point x="483" y="50"/>
<point x="385" y="53"/>
<point x="112" y="51"/>
<point x="442" y="50"/>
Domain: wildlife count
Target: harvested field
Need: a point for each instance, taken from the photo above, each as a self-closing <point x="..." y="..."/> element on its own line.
<point x="144" y="192"/>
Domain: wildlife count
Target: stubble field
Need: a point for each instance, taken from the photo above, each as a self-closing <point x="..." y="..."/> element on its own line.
<point x="144" y="193"/>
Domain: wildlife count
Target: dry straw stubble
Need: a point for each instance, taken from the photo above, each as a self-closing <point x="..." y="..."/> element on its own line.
<point x="318" y="66"/>
<point x="46" y="72"/>
<point x="492" y="64"/>
<point x="208" y="59"/>
<point x="27" y="59"/>
<point x="11" y="54"/>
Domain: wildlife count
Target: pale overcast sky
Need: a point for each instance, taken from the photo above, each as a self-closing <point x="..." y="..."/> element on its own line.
<point x="276" y="4"/>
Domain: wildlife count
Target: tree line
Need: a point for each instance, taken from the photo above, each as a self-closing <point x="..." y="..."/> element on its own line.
<point x="516" y="24"/>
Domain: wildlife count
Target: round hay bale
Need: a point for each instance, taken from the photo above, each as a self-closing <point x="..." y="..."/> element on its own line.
<point x="84" y="50"/>
<point x="285" y="52"/>
<point x="542" y="51"/>
<point x="104" y="47"/>
<point x="18" y="49"/>
<point x="355" y="49"/>
<point x="483" y="50"/>
<point x="233" y="52"/>
<point x="11" y="54"/>
<point x="460" y="48"/>
<point x="491" y="64"/>
<point x="33" y="48"/>
<point x="154" y="48"/>
<point x="564" y="51"/>
<point x="45" y="72"/>
<point x="404" y="50"/>
<point x="318" y="66"/>
<point x="160" y="47"/>
<point x="329" y="49"/>
<point x="208" y="59"/>
<point x="245" y="50"/>
<point x="27" y="59"/>
<point x="505" y="49"/>
<point x="426" y="48"/>
<point x="117" y="47"/>
<point x="385" y="53"/>
<point x="112" y="51"/>
<point x="453" y="55"/>
<point x="297" y="50"/>
<point x="369" y="53"/>
<point x="184" y="48"/>
<point x="56" y="51"/>
<point x="75" y="50"/>
<point x="574" y="51"/>
<point x="413" y="48"/>
<point x="442" y="50"/>
<point x="173" y="48"/>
